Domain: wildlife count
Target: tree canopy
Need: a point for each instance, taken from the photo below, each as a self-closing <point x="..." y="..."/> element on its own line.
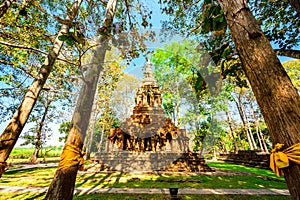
<point x="223" y="82"/>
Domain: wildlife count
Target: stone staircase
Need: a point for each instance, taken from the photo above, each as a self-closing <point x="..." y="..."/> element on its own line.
<point x="148" y="162"/>
<point x="248" y="158"/>
<point x="189" y="162"/>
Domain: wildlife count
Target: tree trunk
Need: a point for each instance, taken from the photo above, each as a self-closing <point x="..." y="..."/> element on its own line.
<point x="241" y="113"/>
<point x="38" y="142"/>
<point x="213" y="125"/>
<point x="63" y="183"/>
<point x="178" y="102"/>
<point x="249" y="127"/>
<point x="5" y="6"/>
<point x="273" y="89"/>
<point x="236" y="148"/>
<point x="263" y="139"/>
<point x="101" y="139"/>
<point x="240" y="139"/>
<point x="91" y="132"/>
<point x="13" y="130"/>
<point x="258" y="131"/>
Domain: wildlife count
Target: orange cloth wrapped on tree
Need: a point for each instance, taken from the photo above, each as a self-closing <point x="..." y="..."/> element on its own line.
<point x="71" y="157"/>
<point x="280" y="158"/>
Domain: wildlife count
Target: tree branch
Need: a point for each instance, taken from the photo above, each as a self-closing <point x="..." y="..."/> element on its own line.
<point x="128" y="13"/>
<point x="18" y="86"/>
<point x="19" y="67"/>
<point x="288" y="52"/>
<point x="5" y="6"/>
<point x="34" y="49"/>
<point x="22" y="47"/>
<point x="6" y="63"/>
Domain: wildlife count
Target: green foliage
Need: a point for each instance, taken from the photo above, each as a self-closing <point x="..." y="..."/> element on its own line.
<point x="171" y="71"/>
<point x="121" y="100"/>
<point x="26" y="152"/>
<point x="213" y="18"/>
<point x="205" y="21"/>
<point x="279" y="20"/>
<point x="293" y="70"/>
<point x="64" y="129"/>
<point x="28" y="31"/>
<point x="200" y="135"/>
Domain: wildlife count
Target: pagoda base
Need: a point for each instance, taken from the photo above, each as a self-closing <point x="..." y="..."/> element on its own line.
<point x="149" y="162"/>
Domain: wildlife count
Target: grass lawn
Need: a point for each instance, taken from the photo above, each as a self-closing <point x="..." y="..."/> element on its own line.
<point x="241" y="168"/>
<point x="43" y="176"/>
<point x="261" y="178"/>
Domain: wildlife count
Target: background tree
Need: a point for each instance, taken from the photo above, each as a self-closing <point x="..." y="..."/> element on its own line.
<point x="198" y="90"/>
<point x="123" y="96"/>
<point x="293" y="70"/>
<point x="280" y="23"/>
<point x="62" y="185"/>
<point x="37" y="135"/>
<point x="64" y="129"/>
<point x="273" y="89"/>
<point x="13" y="130"/>
<point x="108" y="81"/>
<point x="173" y="71"/>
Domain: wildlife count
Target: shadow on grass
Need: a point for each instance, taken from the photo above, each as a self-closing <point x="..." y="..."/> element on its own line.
<point x="20" y="171"/>
<point x="240" y="168"/>
<point x="30" y="170"/>
<point x="162" y="180"/>
<point x="104" y="182"/>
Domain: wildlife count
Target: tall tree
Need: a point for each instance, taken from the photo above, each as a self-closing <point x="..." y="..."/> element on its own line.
<point x="37" y="133"/>
<point x="38" y="144"/>
<point x="13" y="130"/>
<point x="24" y="41"/>
<point x="231" y="130"/>
<point x="108" y="80"/>
<point x="242" y="112"/>
<point x="63" y="183"/>
<point x="275" y="94"/>
<point x="261" y="140"/>
<point x="122" y="97"/>
<point x="173" y="70"/>
<point x="277" y="97"/>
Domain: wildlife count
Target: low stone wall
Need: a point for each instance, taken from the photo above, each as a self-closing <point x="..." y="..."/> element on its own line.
<point x="248" y="158"/>
<point x="149" y="161"/>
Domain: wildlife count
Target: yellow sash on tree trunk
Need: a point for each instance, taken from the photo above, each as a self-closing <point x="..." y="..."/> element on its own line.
<point x="280" y="158"/>
<point x="71" y="156"/>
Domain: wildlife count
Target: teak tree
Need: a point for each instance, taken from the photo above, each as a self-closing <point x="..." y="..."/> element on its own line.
<point x="13" y="130"/>
<point x="277" y="97"/>
<point x="63" y="183"/>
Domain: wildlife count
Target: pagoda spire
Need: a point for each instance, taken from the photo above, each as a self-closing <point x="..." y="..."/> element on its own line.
<point x="148" y="69"/>
<point x="148" y="74"/>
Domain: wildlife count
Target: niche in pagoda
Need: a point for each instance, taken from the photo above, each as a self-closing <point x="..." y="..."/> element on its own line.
<point x="147" y="129"/>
